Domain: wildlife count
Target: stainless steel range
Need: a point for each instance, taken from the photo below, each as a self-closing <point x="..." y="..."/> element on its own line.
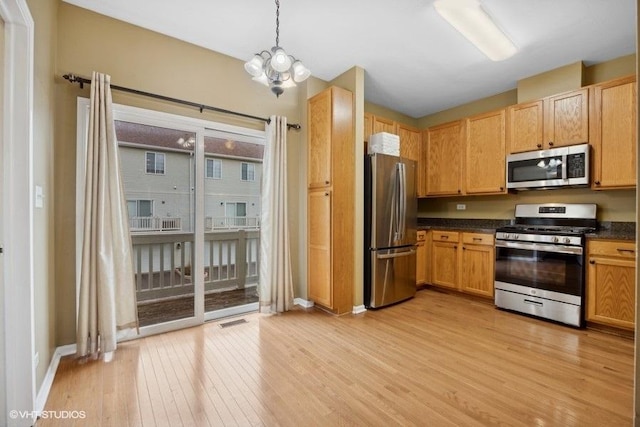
<point x="540" y="261"/>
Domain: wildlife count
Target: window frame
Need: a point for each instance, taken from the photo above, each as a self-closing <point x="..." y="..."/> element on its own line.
<point x="137" y="201"/>
<point x="155" y="163"/>
<point x="253" y="172"/>
<point x="206" y="168"/>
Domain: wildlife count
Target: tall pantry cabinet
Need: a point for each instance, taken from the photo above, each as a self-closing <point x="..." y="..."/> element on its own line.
<point x="330" y="200"/>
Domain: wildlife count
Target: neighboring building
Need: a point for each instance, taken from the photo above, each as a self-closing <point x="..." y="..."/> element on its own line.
<point x="158" y="174"/>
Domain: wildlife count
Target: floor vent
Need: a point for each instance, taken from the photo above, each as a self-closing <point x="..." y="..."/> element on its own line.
<point x="233" y="323"/>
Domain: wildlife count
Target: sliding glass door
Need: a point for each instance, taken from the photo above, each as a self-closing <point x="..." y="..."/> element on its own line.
<point x="232" y="201"/>
<point x="193" y="198"/>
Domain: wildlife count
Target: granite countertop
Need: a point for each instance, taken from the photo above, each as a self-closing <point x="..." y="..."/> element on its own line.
<point x="606" y="229"/>
<point x="477" y="225"/>
<point x="614" y="230"/>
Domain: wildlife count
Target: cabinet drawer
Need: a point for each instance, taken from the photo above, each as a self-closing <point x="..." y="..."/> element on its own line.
<point x="445" y="236"/>
<point x="422" y="236"/>
<point x="477" y="239"/>
<point x="612" y="248"/>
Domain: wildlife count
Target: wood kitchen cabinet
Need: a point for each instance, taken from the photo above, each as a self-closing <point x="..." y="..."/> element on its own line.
<point x="566" y="119"/>
<point x="410" y="142"/>
<point x="444" y="157"/>
<point x="331" y="208"/>
<point x="463" y="261"/>
<point x="444" y="258"/>
<point x="524" y="127"/>
<point x="477" y="264"/>
<point x="611" y="275"/>
<point x="368" y="126"/>
<point x="554" y="121"/>
<point x="613" y="134"/>
<point x="421" y="257"/>
<point x="381" y="124"/>
<point x="485" y="154"/>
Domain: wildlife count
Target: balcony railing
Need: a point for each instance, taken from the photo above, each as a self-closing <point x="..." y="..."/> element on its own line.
<point x="154" y="223"/>
<point x="231" y="222"/>
<point x="163" y="262"/>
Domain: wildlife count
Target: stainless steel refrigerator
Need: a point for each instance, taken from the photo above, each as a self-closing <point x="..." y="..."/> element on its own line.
<point x="390" y="230"/>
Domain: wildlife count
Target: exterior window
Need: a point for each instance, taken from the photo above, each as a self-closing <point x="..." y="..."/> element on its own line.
<point x="140" y="208"/>
<point x="248" y="172"/>
<point x="155" y="163"/>
<point x="214" y="168"/>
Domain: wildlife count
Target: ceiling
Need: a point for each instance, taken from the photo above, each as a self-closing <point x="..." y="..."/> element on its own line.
<point x="415" y="63"/>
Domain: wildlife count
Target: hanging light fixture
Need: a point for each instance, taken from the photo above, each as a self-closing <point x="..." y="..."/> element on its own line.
<point x="275" y="68"/>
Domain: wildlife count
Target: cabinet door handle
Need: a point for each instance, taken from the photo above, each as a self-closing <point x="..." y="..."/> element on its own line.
<point x="597" y="183"/>
<point x="477" y="239"/>
<point x="326" y="182"/>
<point x="444" y="237"/>
<point x="539" y="145"/>
<point x="326" y="194"/>
<point x="550" y="143"/>
<point x="631" y="251"/>
<point x="464" y="249"/>
<point x="592" y="261"/>
<point x="455" y="246"/>
<point x="501" y="188"/>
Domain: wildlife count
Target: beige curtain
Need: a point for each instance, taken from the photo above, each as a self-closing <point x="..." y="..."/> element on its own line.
<point x="107" y="303"/>
<point x="276" y="284"/>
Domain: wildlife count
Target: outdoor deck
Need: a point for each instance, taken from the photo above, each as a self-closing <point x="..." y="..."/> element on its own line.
<point x="163" y="276"/>
<point x="151" y="313"/>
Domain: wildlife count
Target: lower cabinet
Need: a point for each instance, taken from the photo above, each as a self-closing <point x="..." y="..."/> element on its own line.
<point x="421" y="258"/>
<point x="444" y="258"/>
<point x="611" y="275"/>
<point x="477" y="264"/>
<point x="463" y="261"/>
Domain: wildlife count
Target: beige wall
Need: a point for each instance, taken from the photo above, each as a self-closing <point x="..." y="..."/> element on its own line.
<point x="44" y="14"/>
<point x="141" y="59"/>
<point x="561" y="79"/>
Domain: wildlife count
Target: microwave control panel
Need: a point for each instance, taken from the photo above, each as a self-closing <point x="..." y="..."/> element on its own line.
<point x="576" y="165"/>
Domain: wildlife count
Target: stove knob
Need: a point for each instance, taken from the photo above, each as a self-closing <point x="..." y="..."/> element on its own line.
<point x="516" y="236"/>
<point x="555" y="239"/>
<point x="507" y="236"/>
<point x="567" y="240"/>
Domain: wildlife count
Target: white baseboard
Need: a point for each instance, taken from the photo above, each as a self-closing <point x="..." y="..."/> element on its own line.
<point x="45" y="388"/>
<point x="357" y="309"/>
<point x="303" y="302"/>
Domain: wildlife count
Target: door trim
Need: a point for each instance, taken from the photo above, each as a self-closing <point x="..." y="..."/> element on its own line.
<point x="17" y="211"/>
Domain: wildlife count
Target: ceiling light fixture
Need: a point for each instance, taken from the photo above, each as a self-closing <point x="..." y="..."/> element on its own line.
<point x="468" y="17"/>
<point x="276" y="68"/>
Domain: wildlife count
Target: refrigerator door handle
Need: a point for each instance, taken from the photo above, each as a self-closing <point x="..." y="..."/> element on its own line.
<point x="396" y="254"/>
<point x="396" y="211"/>
<point x="403" y="201"/>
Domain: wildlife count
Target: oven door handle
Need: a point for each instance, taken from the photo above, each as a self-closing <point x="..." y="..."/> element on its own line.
<point x="541" y="247"/>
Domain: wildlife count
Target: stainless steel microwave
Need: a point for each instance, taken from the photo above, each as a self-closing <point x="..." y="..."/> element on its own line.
<point x="557" y="167"/>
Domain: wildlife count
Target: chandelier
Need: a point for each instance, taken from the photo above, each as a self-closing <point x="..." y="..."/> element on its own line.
<point x="275" y="68"/>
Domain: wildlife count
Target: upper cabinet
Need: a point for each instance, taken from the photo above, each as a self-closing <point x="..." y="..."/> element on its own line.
<point x="485" y="154"/>
<point x="444" y="157"/>
<point x="380" y="124"/>
<point x="554" y="121"/>
<point x="320" y="133"/>
<point x="613" y="134"/>
<point x="567" y="119"/>
<point x="410" y="142"/>
<point x="524" y="127"/>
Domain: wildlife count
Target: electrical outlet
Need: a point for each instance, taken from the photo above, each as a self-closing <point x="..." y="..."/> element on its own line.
<point x="461" y="207"/>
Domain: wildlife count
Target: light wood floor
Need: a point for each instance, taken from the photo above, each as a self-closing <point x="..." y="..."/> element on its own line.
<point x="436" y="360"/>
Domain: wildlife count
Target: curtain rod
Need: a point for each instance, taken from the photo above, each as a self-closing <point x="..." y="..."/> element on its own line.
<point x="72" y="78"/>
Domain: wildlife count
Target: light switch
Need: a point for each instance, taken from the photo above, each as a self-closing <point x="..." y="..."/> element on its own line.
<point x="39" y="197"/>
